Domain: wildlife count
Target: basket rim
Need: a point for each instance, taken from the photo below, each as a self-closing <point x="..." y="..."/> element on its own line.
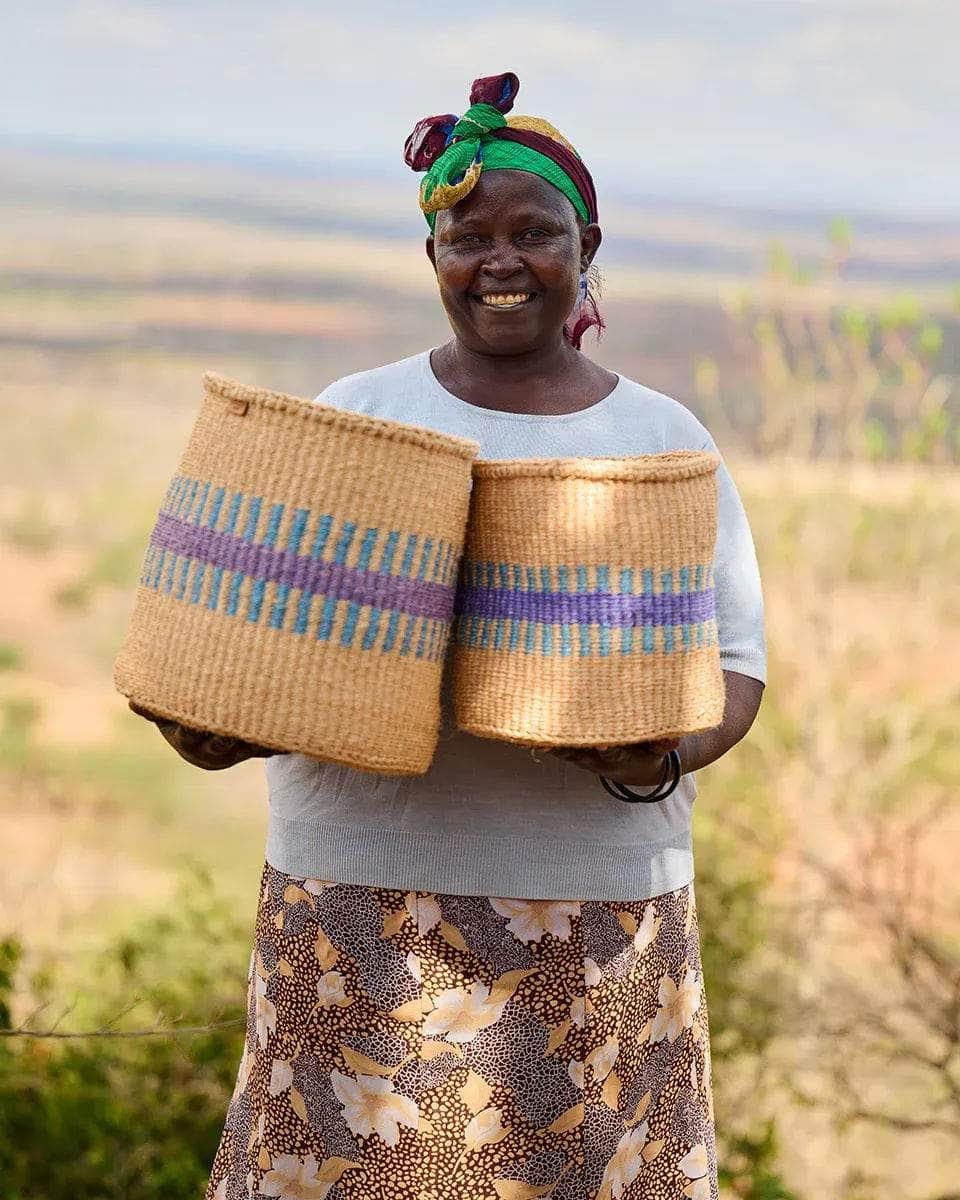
<point x="328" y="414"/>
<point x="666" y="466"/>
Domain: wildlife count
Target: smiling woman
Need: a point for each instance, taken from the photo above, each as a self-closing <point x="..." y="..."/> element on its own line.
<point x="509" y="259"/>
<point x="485" y="981"/>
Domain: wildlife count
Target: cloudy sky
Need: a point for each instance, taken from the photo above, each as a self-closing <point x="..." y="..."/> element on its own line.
<point x="827" y="104"/>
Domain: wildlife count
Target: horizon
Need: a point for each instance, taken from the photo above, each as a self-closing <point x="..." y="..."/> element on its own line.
<point x="291" y="167"/>
<point x="839" y="106"/>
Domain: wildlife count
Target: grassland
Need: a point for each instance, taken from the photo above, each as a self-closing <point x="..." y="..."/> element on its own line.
<point x="116" y="295"/>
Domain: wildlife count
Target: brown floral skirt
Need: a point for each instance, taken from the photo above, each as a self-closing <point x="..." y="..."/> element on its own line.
<point x="439" y="1047"/>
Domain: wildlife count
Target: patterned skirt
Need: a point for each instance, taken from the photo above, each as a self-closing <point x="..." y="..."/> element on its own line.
<point x="442" y="1047"/>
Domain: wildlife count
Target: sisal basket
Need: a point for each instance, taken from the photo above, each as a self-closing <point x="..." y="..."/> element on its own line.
<point x="585" y="613"/>
<point x="298" y="588"/>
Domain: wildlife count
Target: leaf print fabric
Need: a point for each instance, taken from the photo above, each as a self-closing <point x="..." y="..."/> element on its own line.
<point x="412" y="1046"/>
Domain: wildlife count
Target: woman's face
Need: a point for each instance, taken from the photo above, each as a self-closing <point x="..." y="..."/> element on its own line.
<point x="508" y="258"/>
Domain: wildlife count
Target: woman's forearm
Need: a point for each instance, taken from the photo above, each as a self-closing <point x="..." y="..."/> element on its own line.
<point x="743" y="695"/>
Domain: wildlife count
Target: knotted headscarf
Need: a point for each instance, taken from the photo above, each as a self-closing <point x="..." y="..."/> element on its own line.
<point x="455" y="150"/>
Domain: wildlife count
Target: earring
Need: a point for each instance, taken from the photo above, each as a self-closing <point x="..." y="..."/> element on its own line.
<point x="582" y="289"/>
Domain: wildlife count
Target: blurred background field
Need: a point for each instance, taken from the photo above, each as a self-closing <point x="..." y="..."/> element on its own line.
<point x="820" y="345"/>
<point x="826" y="841"/>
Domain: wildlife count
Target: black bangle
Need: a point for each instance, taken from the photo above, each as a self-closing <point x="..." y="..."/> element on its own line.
<point x="621" y="792"/>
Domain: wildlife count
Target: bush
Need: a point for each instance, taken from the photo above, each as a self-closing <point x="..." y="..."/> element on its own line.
<point x="100" y="1118"/>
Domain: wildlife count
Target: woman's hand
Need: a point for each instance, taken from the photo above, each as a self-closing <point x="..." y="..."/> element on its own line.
<point x="210" y="751"/>
<point x="639" y="765"/>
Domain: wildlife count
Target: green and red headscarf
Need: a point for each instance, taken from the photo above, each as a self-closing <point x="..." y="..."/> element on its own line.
<point x="453" y="151"/>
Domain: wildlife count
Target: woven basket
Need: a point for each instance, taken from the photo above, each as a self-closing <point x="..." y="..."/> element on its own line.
<point x="298" y="588"/>
<point x="585" y="612"/>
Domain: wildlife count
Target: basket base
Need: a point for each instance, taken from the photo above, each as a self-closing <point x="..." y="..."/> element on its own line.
<point x="604" y="701"/>
<point x="287" y="693"/>
<point x="384" y="765"/>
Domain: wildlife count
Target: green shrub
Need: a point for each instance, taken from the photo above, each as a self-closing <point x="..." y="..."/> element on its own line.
<point x="11" y="657"/>
<point x="31" y="529"/>
<point x="100" y="1118"/>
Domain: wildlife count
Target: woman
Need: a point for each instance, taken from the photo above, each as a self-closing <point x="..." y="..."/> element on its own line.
<point x="485" y="982"/>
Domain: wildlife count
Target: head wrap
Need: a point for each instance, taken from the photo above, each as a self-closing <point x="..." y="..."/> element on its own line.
<point x="455" y="150"/>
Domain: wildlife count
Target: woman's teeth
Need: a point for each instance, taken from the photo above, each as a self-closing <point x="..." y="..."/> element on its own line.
<point x="505" y="299"/>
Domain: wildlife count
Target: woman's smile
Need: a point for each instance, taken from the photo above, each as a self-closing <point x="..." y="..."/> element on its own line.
<point x="505" y="301"/>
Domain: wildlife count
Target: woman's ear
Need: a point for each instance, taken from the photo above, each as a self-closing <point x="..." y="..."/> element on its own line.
<point x="590" y="238"/>
<point x="431" y="251"/>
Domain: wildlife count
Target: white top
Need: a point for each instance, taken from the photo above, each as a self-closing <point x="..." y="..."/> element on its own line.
<point x="488" y="818"/>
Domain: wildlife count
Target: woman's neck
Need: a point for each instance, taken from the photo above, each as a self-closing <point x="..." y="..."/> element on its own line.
<point x="550" y="380"/>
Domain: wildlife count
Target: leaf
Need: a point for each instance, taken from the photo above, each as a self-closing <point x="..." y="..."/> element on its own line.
<point x="611" y="1090"/>
<point x="278" y="921"/>
<point x="568" y="1120"/>
<point x="652" y="1149"/>
<point x="394" y="922"/>
<point x="642" y="1106"/>
<point x="485" y="1129"/>
<point x="331" y="1169"/>
<point x="363" y="1065"/>
<point x="281" y="1077"/>
<point x="327" y="954"/>
<point x="504" y="987"/>
<point x="558" y="1036"/>
<point x="285" y="968"/>
<point x="298" y="1105"/>
<point x="628" y="922"/>
<point x="411" y="1011"/>
<point x="517" y="1189"/>
<point x="644" y="1033"/>
<point x="425" y="1125"/>
<point x="263" y="1159"/>
<point x="292" y="894"/>
<point x="475" y="1092"/>
<point x="452" y="935"/>
<point x="431" y="1049"/>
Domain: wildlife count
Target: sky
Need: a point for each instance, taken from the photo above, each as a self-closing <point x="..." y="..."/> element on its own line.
<point x="822" y="104"/>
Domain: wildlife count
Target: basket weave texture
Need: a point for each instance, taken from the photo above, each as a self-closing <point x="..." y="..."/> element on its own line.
<point x="297" y="590"/>
<point x="585" y="610"/>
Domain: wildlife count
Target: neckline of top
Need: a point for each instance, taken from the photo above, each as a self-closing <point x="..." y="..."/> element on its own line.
<point x="509" y="415"/>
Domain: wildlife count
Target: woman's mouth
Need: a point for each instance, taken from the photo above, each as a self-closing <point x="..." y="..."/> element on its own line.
<point x="504" y="300"/>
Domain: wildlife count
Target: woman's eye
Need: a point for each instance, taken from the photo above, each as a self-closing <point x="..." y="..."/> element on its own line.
<point x="535" y="234"/>
<point x="467" y="239"/>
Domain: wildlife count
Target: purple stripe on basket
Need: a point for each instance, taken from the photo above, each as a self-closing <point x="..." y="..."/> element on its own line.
<point x="419" y="597"/>
<point x="587" y="608"/>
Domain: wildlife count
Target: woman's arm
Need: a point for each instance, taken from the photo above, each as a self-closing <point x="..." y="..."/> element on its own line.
<point x="209" y="751"/>
<point x="642" y="765"/>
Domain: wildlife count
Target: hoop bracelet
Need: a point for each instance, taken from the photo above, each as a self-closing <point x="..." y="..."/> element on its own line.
<point x="621" y="792"/>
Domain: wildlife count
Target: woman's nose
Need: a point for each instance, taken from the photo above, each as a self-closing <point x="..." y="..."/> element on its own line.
<point x="502" y="260"/>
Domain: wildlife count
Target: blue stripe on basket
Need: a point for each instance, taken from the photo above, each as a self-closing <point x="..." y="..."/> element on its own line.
<point x="259" y="585"/>
<point x="406" y="564"/>
<point x="179" y="560"/>
<point x="676" y="616"/>
<point x="329" y="610"/>
<point x="233" y="515"/>
<point x="353" y="607"/>
<point x="253" y="517"/>
<point x="294" y="538"/>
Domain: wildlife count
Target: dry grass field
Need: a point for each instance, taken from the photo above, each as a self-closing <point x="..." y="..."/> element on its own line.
<point x="115" y="296"/>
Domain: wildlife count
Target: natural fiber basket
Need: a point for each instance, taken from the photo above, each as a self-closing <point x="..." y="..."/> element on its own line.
<point x="297" y="590"/>
<point x="585" y="608"/>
